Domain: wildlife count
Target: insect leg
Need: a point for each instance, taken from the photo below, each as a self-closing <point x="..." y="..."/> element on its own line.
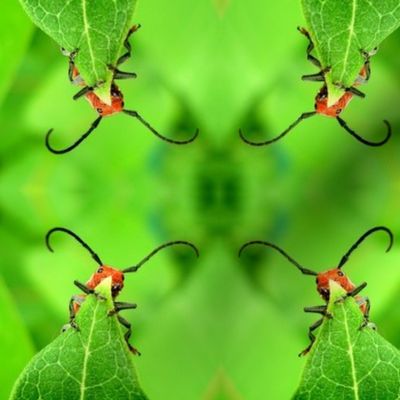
<point x="367" y="308"/>
<point x="127" y="45"/>
<point x="117" y="74"/>
<point x="352" y="293"/>
<point x="127" y="335"/>
<point x="74" y="304"/>
<point x="75" y="80"/>
<point x="351" y="89"/>
<point x="356" y="290"/>
<point x="71" y="66"/>
<point x="82" y="92"/>
<point x="367" y="64"/>
<point x="356" y="92"/>
<point x="71" y="307"/>
<point x="87" y="290"/>
<point x="310" y="48"/>
<point x="364" y="80"/>
<point x="86" y="90"/>
<point x="312" y="328"/>
<point x="318" y="310"/>
<point x="319" y="77"/>
<point x="118" y="306"/>
<point x="124" y="75"/>
<point x="367" y="303"/>
<point x="83" y="287"/>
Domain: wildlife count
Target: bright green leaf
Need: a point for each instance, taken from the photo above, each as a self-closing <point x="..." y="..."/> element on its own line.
<point x="347" y="362"/>
<point x="341" y="29"/>
<point x="97" y="29"/>
<point x="92" y="363"/>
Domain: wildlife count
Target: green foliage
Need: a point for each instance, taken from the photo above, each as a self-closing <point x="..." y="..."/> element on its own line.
<point x="96" y="29"/>
<point x="15" y="345"/>
<point x="243" y="327"/>
<point x="13" y="42"/>
<point x="341" y="29"/>
<point x="90" y="363"/>
<point x="219" y="65"/>
<point x="348" y="362"/>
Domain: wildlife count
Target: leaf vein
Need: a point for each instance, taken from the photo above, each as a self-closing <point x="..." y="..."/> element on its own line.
<point x="351" y="355"/>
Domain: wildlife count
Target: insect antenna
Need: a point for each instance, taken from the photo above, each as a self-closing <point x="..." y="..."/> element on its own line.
<point x="156" y="250"/>
<point x="345" y="258"/>
<point x="305" y="271"/>
<point x="136" y="115"/>
<point x="344" y="125"/>
<point x="94" y="125"/>
<point x="275" y="139"/>
<point x="77" y="238"/>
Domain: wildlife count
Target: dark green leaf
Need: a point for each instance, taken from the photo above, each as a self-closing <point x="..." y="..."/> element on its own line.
<point x="341" y="29"/>
<point x="92" y="363"/>
<point x="96" y="29"/>
<point x="347" y="362"/>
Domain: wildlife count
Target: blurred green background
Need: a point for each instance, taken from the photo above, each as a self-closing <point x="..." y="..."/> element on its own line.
<point x="217" y="327"/>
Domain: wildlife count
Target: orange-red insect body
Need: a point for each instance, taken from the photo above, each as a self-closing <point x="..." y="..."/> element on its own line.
<point x="102" y="108"/>
<point x="321" y="106"/>
<point x="104" y="272"/>
<point x="321" y="100"/>
<point x="337" y="275"/>
<point x="113" y="105"/>
<point x="116" y="106"/>
<point x="323" y="280"/>
<point x="321" y="103"/>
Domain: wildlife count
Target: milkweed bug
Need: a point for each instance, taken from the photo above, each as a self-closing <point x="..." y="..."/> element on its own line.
<point x="321" y="100"/>
<point x="103" y="272"/>
<point x="335" y="274"/>
<point x="116" y="101"/>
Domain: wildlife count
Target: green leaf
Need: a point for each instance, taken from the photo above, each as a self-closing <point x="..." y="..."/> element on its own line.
<point x="340" y="29"/>
<point x="347" y="362"/>
<point x="92" y="363"/>
<point x="97" y="29"/>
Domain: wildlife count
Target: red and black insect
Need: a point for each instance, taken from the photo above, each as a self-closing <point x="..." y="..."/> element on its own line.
<point x="321" y="101"/>
<point x="335" y="274"/>
<point x="116" y="104"/>
<point x="103" y="272"/>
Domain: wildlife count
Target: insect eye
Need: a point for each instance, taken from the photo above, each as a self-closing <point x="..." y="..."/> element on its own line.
<point x="99" y="110"/>
<point x="100" y="270"/>
<point x="340" y="273"/>
<point x="338" y="111"/>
